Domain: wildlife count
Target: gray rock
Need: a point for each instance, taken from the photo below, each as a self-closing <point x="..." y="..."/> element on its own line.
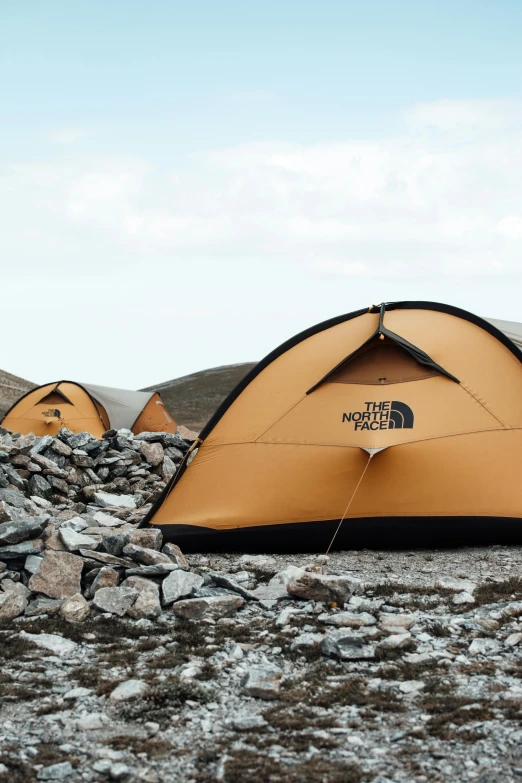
<point x="74" y="541"/>
<point x="106" y="520"/>
<point x="226" y="581"/>
<point x="50" y="641"/>
<point x="484" y="647"/>
<point x="263" y="682"/>
<point x="39" y="486"/>
<point x="77" y="441"/>
<point x="348" y="619"/>
<point x="92" y="722"/>
<point x="8" y="513"/>
<point x="129" y="690"/>
<point x="147" y="537"/>
<point x="147" y="603"/>
<point x="179" y="584"/>
<point x="248" y="722"/>
<point x="103" y="557"/>
<point x="396" y="641"/>
<point x="214" y="607"/>
<point x="21" y="550"/>
<point x="119" y="771"/>
<point x="115" y="543"/>
<point x="33" y="563"/>
<point x="75" y="609"/>
<point x="76" y="523"/>
<point x="463" y="598"/>
<point x="144" y="556"/>
<point x="316" y="587"/>
<point x="306" y="641"/>
<point x="176" y="555"/>
<point x="40" y="606"/>
<point x="458" y="585"/>
<point x="58" y="576"/>
<point x="347" y="646"/>
<point x="107" y="500"/>
<point x="59" y="771"/>
<point x="116" y="600"/>
<point x="259" y="564"/>
<point x="22" y="529"/>
<point x="12" y="604"/>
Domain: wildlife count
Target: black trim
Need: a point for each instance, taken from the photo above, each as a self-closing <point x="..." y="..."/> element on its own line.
<point x="310" y="332"/>
<point x="370" y="533"/>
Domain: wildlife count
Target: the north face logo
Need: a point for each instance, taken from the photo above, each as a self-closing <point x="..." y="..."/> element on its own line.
<point x="51" y="413"/>
<point x="389" y="415"/>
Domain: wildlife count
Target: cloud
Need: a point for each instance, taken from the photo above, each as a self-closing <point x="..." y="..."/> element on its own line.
<point x="69" y="135"/>
<point x="419" y="205"/>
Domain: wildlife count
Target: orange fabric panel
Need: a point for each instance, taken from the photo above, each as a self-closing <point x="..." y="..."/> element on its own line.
<point x="342" y="415"/>
<point x="480" y="361"/>
<point x="154" y="418"/>
<point x="247" y="485"/>
<point x="286" y="380"/>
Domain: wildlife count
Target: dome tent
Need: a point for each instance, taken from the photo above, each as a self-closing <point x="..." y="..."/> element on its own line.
<point x="87" y="407"/>
<point x="406" y="411"/>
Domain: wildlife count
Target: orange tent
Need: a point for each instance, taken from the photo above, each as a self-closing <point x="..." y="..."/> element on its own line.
<point x="94" y="409"/>
<point x="402" y="411"/>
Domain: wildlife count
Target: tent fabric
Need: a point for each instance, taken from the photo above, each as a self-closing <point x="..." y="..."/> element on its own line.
<point x="277" y="461"/>
<point x="86" y="407"/>
<point x="511" y="329"/>
<point x="122" y="406"/>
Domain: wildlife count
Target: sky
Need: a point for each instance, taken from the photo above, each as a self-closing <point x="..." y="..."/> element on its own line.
<point x="186" y="184"/>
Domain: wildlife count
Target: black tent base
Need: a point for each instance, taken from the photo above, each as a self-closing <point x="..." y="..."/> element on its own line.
<point x="376" y="533"/>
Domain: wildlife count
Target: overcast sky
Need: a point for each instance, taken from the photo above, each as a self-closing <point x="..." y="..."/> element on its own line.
<point x="186" y="184"/>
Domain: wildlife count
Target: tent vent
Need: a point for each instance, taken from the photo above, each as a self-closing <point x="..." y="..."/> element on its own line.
<point x="379" y="363"/>
<point x="54" y="398"/>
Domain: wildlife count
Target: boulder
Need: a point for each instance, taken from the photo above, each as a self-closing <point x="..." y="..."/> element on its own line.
<point x="58" y="575"/>
<point x="75" y="609"/>
<point x="106" y="577"/>
<point x="24" y="548"/>
<point x="153" y="453"/>
<point x="147" y="603"/>
<point x="11" y="605"/>
<point x="347" y="646"/>
<point x="74" y="541"/>
<point x="39" y="486"/>
<point x="145" y="556"/>
<point x="149" y="538"/>
<point x="176" y="555"/>
<point x="107" y="500"/>
<point x="180" y="584"/>
<point x="348" y="619"/>
<point x="128" y="690"/>
<point x="263" y="682"/>
<point x="316" y="587"/>
<point x="51" y="641"/>
<point x="41" y="606"/>
<point x="116" y="600"/>
<point x="213" y="607"/>
<point x="22" y="529"/>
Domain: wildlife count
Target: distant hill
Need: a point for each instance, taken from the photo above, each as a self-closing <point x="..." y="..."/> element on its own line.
<point x="11" y="388"/>
<point x="193" y="399"/>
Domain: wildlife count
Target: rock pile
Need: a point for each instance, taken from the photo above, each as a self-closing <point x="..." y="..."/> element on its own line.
<point x="71" y="468"/>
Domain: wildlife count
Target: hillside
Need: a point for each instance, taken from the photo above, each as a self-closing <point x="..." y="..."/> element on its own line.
<point x="193" y="399"/>
<point x="11" y="388"/>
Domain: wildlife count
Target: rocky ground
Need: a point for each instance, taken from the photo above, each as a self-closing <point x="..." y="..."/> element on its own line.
<point x="125" y="660"/>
